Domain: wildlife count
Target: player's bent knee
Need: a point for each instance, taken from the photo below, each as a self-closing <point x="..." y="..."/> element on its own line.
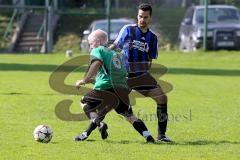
<point x="82" y="103"/>
<point x="85" y="106"/>
<point x="162" y="99"/>
<point x="131" y="118"/>
<point x="159" y="96"/>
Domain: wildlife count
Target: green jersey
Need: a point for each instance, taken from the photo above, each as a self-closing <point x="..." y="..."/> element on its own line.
<point x="112" y="72"/>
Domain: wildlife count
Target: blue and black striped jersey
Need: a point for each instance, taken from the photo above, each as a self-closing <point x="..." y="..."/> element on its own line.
<point x="138" y="47"/>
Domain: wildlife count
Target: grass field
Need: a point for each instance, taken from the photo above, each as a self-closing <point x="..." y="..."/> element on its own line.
<point x="204" y="114"/>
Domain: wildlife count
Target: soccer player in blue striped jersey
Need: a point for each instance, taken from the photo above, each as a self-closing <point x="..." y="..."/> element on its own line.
<point x="140" y="46"/>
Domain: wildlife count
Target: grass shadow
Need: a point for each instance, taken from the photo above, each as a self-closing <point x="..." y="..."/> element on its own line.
<point x="184" y="71"/>
<point x="35" y="67"/>
<point x="14" y="93"/>
<point x="211" y="72"/>
<point x="86" y="141"/>
<point x="90" y="140"/>
<point x="187" y="143"/>
<point x="121" y="142"/>
<point x="203" y="142"/>
<point x="143" y="142"/>
<point x="19" y="94"/>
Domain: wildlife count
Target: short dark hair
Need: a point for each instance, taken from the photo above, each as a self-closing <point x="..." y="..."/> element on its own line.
<point x="145" y="7"/>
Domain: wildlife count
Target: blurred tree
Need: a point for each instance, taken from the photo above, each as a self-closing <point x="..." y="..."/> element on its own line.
<point x="184" y="3"/>
<point x="229" y="2"/>
<point x="174" y="3"/>
<point x="153" y="2"/>
<point x="80" y="3"/>
<point x="34" y="2"/>
<point x="135" y="3"/>
<point x="217" y="1"/>
<point x="98" y="3"/>
<point x="116" y="3"/>
<point x="5" y="2"/>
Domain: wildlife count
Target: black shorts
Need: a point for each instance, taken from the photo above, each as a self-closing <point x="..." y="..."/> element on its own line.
<point x="142" y="82"/>
<point x="116" y="99"/>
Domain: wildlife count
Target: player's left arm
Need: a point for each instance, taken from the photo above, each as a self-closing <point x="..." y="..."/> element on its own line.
<point x="153" y="53"/>
<point x="92" y="71"/>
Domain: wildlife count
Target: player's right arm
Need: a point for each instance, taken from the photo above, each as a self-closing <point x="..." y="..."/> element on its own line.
<point x="92" y="71"/>
<point x="119" y="41"/>
<point x="96" y="63"/>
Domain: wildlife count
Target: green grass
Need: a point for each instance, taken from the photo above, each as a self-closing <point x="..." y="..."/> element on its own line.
<point x="203" y="111"/>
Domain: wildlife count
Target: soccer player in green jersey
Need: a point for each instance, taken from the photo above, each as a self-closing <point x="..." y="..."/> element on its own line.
<point x="110" y="90"/>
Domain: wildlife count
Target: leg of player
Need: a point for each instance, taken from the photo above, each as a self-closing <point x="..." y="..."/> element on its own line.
<point x="124" y="108"/>
<point x="91" y="113"/>
<point x="92" y="126"/>
<point x="139" y="126"/>
<point x="98" y="121"/>
<point x="161" y="99"/>
<point x="102" y="102"/>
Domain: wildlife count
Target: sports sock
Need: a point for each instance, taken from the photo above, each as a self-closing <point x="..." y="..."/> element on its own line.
<point x="90" y="128"/>
<point x="162" y="118"/>
<point x="140" y="127"/>
<point x="88" y="110"/>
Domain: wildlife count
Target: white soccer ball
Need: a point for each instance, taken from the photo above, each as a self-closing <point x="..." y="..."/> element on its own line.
<point x="43" y="134"/>
<point x="69" y="53"/>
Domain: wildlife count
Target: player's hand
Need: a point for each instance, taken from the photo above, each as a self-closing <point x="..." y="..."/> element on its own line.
<point x="79" y="83"/>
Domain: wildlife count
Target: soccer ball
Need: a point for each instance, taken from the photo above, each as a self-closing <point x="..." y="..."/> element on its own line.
<point x="43" y="134"/>
<point x="69" y="53"/>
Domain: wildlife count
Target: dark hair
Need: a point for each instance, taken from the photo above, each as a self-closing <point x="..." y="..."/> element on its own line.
<point x="145" y="7"/>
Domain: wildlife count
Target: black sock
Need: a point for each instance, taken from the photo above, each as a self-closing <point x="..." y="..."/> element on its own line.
<point x="139" y="126"/>
<point x="90" y="128"/>
<point x="162" y="118"/>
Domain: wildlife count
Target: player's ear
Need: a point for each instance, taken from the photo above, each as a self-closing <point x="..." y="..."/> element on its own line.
<point x="98" y="42"/>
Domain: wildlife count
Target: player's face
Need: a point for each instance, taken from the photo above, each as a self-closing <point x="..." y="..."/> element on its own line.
<point x="93" y="43"/>
<point x="144" y="19"/>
